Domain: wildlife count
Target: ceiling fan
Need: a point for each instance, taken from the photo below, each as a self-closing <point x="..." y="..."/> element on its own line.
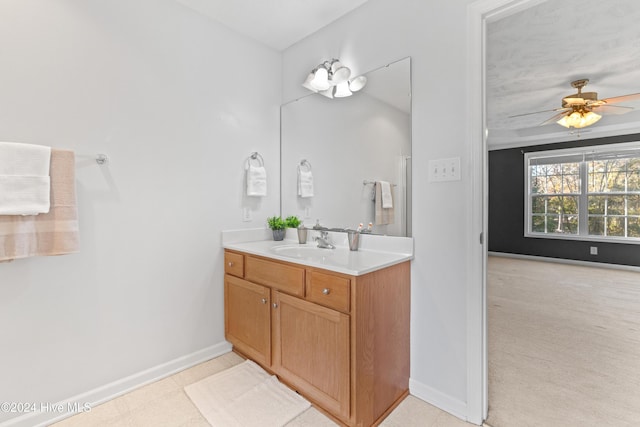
<point x="583" y="109"/>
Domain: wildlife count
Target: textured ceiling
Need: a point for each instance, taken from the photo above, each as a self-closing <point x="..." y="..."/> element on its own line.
<point x="275" y="23"/>
<point x="533" y="55"/>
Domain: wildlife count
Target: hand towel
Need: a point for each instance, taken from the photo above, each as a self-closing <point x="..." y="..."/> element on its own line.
<point x="52" y="233"/>
<point x="305" y="183"/>
<point x="24" y="179"/>
<point x="256" y="181"/>
<point x="383" y="215"/>
<point x="385" y="188"/>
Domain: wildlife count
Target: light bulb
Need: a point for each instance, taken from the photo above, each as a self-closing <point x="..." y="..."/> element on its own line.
<point x="321" y="79"/>
<point x="342" y="90"/>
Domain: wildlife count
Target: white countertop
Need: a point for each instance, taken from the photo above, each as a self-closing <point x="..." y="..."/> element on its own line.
<point x="375" y="252"/>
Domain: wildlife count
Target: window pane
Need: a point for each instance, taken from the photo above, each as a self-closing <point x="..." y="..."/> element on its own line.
<point x="597" y="182"/>
<point x="596" y="225"/>
<point x="618" y="182"/>
<point x="612" y="191"/>
<point x="633" y="181"/>
<point x="569" y="224"/>
<point x="596" y="204"/>
<point x="563" y="204"/>
<point x="615" y="205"/>
<point x="554" y="184"/>
<point x="633" y="205"/>
<point x="633" y="227"/>
<point x="537" y="185"/>
<point x="570" y="205"/>
<point x="615" y="226"/>
<point x="537" y="204"/>
<point x="537" y="224"/>
<point x="597" y="166"/>
<point x="571" y="184"/>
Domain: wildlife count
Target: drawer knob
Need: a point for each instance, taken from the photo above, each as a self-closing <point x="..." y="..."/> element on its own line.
<point x="326" y="291"/>
<point x="230" y="264"/>
<point x="264" y="300"/>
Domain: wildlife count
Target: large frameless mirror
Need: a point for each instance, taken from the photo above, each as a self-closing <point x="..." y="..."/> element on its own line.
<point x="347" y="145"/>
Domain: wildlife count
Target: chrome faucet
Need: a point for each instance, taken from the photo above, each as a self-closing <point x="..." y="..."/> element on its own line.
<point x="323" y="240"/>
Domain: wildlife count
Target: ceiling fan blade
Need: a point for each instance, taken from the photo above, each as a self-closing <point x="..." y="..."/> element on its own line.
<point x="616" y="99"/>
<point x="611" y="109"/>
<point x="554" y="118"/>
<point x="538" y="112"/>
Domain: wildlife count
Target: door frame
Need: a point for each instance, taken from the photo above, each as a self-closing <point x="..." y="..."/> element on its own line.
<point x="479" y="13"/>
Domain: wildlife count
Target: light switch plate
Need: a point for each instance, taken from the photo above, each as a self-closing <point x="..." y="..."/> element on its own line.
<point x="444" y="170"/>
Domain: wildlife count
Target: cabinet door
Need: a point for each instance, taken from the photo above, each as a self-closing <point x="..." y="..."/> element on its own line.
<point x="247" y="318"/>
<point x="311" y="351"/>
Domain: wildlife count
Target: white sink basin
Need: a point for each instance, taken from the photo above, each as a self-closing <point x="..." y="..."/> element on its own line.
<point x="304" y="252"/>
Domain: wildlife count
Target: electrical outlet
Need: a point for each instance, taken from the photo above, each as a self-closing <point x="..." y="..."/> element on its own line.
<point x="307" y="212"/>
<point x="593" y="250"/>
<point x="246" y="215"/>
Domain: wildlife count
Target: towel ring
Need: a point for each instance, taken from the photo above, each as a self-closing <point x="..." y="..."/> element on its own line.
<point x="255" y="156"/>
<point x="305" y="162"/>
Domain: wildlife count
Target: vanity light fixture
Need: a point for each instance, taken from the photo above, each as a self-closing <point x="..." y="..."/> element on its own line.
<point x="579" y="118"/>
<point x="331" y="79"/>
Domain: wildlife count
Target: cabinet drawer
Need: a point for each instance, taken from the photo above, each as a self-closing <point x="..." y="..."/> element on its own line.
<point x="234" y="264"/>
<point x="328" y="290"/>
<point x="286" y="278"/>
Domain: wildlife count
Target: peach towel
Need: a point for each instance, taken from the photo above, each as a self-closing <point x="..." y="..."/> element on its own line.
<point x="383" y="215"/>
<point x="52" y="233"/>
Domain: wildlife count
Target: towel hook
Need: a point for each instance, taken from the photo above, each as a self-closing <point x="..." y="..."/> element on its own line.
<point x="305" y="162"/>
<point x="102" y="159"/>
<point x="255" y="156"/>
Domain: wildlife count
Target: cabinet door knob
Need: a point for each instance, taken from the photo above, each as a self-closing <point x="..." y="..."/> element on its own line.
<point x="264" y="300"/>
<point x="326" y="291"/>
<point x="230" y="264"/>
<point x="275" y="305"/>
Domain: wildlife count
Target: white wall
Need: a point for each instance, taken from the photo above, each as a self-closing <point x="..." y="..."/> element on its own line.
<point x="171" y="98"/>
<point x="347" y="141"/>
<point x="434" y="35"/>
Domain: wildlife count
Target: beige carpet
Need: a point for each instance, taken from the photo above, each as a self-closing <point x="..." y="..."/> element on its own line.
<point x="245" y="396"/>
<point x="564" y="345"/>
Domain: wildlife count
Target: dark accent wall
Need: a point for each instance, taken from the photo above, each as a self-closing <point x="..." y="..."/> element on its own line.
<point x="506" y="211"/>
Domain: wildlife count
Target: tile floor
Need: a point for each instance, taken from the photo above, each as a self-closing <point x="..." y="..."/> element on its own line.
<point x="165" y="404"/>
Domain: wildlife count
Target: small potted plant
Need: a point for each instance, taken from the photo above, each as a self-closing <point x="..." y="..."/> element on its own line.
<point x="277" y="226"/>
<point x="294" y="222"/>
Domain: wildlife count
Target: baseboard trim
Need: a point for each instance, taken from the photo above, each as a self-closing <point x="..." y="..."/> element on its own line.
<point x="116" y="388"/>
<point x="436" y="398"/>
<point x="566" y="261"/>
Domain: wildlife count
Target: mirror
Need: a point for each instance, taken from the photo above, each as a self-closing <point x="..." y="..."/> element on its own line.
<point x="348" y="144"/>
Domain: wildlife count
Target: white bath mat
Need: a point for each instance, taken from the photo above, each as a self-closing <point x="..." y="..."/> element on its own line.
<point x="245" y="396"/>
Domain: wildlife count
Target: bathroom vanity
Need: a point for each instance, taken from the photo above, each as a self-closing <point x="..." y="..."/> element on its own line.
<point x="332" y="325"/>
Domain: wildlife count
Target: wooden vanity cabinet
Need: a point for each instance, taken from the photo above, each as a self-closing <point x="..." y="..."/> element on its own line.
<point x="311" y="351"/>
<point x="341" y="341"/>
<point x="247" y="318"/>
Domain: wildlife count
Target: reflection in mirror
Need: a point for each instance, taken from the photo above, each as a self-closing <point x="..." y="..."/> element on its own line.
<point x="349" y="144"/>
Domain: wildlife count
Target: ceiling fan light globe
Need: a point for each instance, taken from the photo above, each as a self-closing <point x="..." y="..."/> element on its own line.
<point x="579" y="120"/>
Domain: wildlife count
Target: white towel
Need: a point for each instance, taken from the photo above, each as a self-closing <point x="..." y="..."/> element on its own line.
<point x="256" y="181"/>
<point x="387" y="200"/>
<point x="305" y="183"/>
<point x="25" y="185"/>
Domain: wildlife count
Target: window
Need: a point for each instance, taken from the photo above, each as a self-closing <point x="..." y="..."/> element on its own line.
<point x="584" y="193"/>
